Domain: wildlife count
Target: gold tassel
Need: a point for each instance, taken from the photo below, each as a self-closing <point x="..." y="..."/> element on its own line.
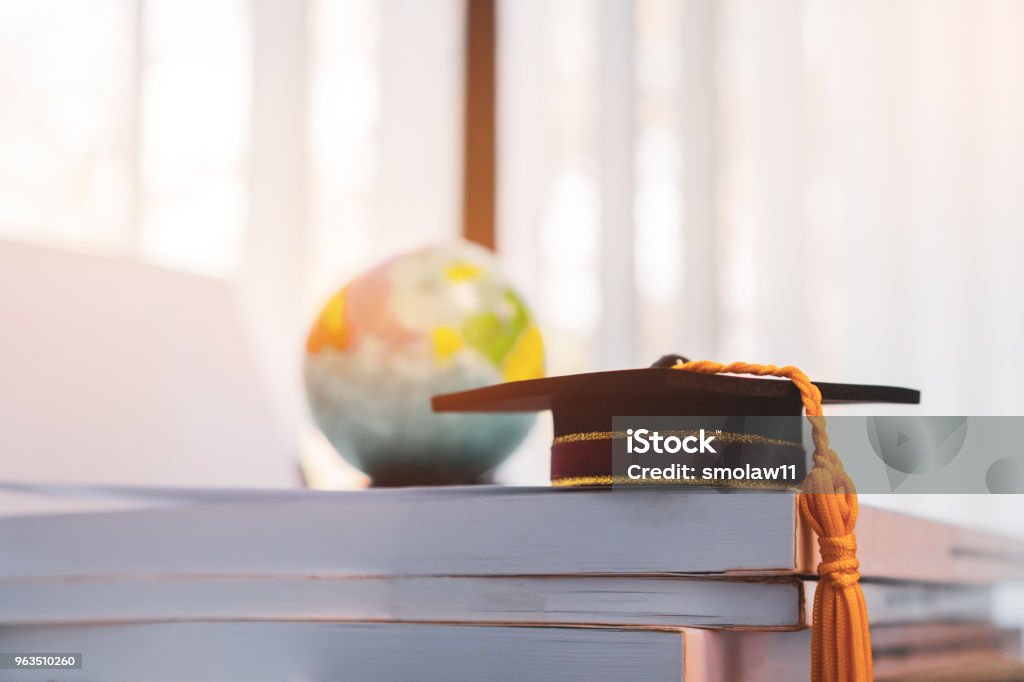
<point x="840" y="641"/>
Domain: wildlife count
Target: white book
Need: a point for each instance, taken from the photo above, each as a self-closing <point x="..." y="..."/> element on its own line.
<point x="353" y="652"/>
<point x="652" y="601"/>
<point x="386" y="652"/>
<point x="554" y="600"/>
<point x="382" y="652"/>
<point x="478" y="530"/>
<point x="482" y="531"/>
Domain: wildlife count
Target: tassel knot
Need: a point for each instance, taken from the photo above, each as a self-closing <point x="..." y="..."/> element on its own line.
<point x="839" y="563"/>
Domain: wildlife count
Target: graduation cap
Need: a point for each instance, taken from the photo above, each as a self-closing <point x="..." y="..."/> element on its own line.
<point x="584" y="405"/>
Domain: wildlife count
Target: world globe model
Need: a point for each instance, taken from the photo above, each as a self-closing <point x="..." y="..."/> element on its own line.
<point x="431" y="321"/>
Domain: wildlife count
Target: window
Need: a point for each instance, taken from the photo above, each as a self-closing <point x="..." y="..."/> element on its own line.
<point x="125" y="127"/>
<point x="66" y="80"/>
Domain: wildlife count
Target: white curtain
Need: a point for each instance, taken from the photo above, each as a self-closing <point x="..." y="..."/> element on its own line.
<point x="831" y="184"/>
<point x="862" y="189"/>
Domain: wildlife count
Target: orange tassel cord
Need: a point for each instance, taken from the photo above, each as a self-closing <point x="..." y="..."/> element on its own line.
<point x="840" y="640"/>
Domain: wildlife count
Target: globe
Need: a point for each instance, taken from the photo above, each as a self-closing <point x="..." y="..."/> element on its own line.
<point x="432" y="321"/>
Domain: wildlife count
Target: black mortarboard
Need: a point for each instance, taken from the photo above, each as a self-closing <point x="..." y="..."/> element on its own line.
<point x="584" y="404"/>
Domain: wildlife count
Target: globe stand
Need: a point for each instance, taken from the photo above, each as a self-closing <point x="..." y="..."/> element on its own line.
<point x="405" y="478"/>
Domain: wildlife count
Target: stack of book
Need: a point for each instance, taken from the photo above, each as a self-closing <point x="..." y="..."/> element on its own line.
<point x="485" y="583"/>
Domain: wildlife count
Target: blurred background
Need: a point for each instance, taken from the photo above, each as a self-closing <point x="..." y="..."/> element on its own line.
<point x="182" y="185"/>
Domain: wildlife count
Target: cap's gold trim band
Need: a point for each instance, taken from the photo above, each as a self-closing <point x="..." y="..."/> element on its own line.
<point x="584" y="481"/>
<point x="747" y="438"/>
